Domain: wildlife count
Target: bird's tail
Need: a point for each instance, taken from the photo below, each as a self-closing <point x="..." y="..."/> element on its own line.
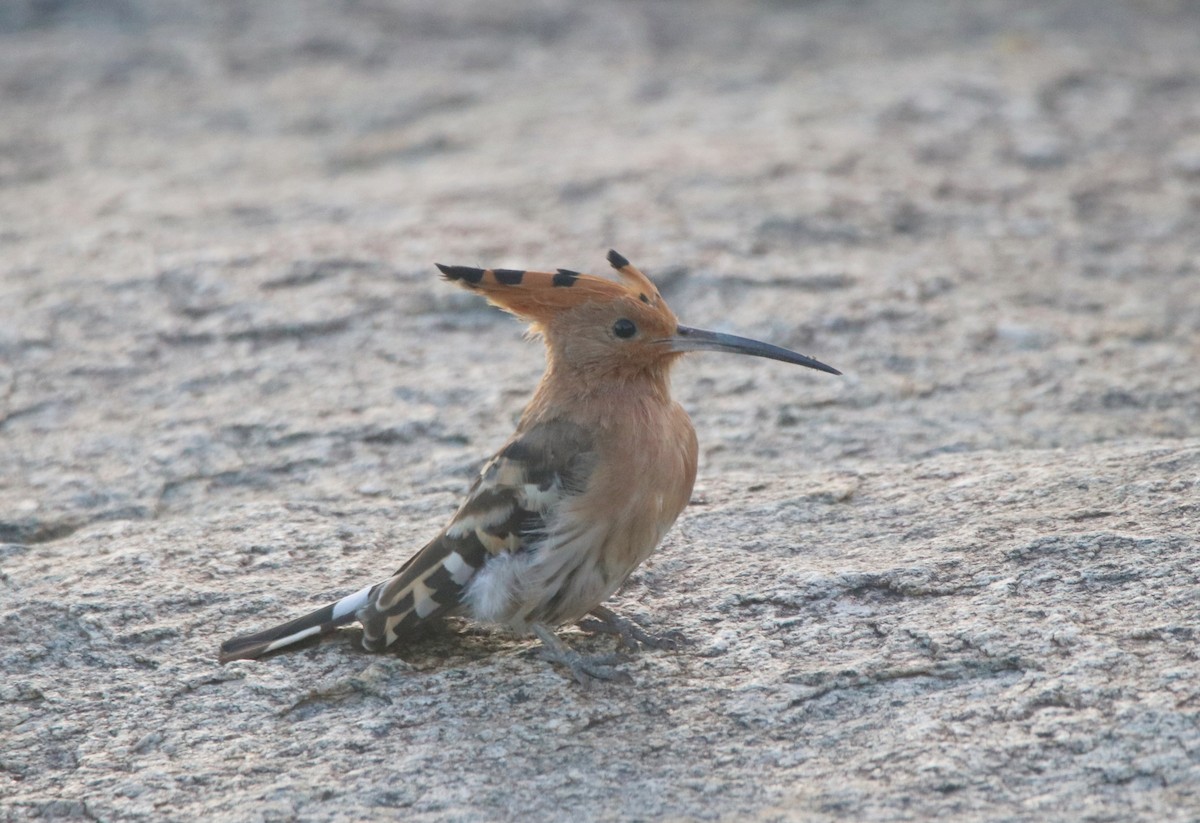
<point x="322" y="621"/>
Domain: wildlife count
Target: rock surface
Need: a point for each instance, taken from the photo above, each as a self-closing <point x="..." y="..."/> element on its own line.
<point x="959" y="582"/>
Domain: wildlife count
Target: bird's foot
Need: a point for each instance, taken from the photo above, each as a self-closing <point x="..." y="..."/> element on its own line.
<point x="587" y="669"/>
<point x="631" y="635"/>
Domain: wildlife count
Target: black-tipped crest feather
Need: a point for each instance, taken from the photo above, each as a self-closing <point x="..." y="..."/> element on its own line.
<point x="466" y="274"/>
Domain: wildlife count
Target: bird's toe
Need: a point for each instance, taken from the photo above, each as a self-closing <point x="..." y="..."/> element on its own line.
<point x="631" y="635"/>
<point x="586" y="669"/>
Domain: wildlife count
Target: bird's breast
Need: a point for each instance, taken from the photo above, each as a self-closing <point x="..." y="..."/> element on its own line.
<point x="641" y="481"/>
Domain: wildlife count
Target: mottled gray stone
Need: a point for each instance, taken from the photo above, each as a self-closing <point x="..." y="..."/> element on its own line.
<point x="959" y="582"/>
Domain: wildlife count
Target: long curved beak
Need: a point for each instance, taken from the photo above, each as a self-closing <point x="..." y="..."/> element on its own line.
<point x="688" y="339"/>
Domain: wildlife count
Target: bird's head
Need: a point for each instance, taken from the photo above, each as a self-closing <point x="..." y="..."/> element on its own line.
<point x="605" y="327"/>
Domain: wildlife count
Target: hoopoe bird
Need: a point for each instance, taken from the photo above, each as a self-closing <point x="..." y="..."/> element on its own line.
<point x="601" y="464"/>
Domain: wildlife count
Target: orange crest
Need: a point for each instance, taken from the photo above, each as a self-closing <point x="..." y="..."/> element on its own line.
<point x="538" y="296"/>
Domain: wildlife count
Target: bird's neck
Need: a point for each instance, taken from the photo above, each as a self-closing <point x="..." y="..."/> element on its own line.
<point x="599" y="399"/>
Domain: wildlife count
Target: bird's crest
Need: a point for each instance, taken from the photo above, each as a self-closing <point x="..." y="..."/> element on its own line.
<point x="539" y="295"/>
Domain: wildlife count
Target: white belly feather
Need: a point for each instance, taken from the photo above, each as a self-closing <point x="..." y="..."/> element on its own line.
<point x="563" y="575"/>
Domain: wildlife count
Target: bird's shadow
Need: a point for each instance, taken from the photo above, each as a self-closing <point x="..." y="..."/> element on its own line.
<point x="435" y="645"/>
<point x="450" y="643"/>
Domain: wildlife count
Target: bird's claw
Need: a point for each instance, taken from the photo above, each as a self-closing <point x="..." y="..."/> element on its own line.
<point x="586" y="669"/>
<point x="630" y="635"/>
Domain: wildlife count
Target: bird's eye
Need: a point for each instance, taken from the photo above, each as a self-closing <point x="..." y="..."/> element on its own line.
<point x="624" y="328"/>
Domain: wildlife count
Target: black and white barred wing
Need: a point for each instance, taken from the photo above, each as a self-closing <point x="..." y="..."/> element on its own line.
<point x="509" y="504"/>
<point x="508" y="507"/>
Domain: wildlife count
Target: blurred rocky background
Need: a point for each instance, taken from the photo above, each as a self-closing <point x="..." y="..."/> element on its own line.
<point x="959" y="582"/>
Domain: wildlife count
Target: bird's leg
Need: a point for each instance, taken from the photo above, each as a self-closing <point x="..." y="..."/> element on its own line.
<point x="630" y="633"/>
<point x="586" y="669"/>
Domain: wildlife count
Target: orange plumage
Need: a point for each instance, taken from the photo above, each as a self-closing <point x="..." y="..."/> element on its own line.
<point x="601" y="464"/>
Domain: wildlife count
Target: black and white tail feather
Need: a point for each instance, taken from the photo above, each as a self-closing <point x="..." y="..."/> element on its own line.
<point x="322" y="621"/>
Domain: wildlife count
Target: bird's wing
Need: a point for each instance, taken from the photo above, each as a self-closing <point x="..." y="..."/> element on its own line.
<point x="507" y="507"/>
